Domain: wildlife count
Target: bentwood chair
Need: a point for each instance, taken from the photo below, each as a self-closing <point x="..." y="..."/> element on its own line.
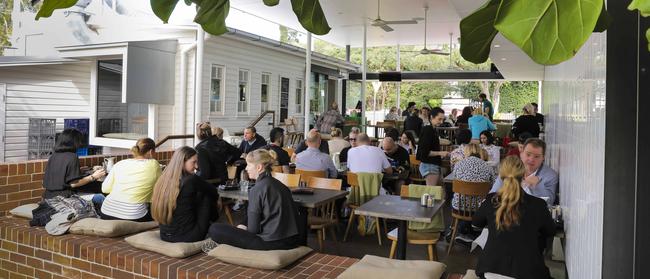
<point x="305" y="175"/>
<point x="415" y="176"/>
<point x="353" y="181"/>
<point x="324" y="217"/>
<point x="290" y="180"/>
<point x="467" y="192"/>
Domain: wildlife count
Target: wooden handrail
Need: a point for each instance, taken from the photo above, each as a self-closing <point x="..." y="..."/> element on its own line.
<point x="259" y="118"/>
<point x="170" y="137"/>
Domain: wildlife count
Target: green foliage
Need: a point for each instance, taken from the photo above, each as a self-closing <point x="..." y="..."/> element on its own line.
<point x="50" y="5"/>
<point x="644" y="8"/>
<point x="477" y="32"/>
<point x="211" y="15"/>
<point x="516" y="94"/>
<point x="163" y="8"/>
<point x="311" y="16"/>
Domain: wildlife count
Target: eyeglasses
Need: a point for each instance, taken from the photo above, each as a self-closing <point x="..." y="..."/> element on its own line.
<point x="352" y="139"/>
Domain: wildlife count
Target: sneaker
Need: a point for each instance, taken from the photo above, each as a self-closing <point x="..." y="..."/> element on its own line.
<point x="464" y="238"/>
<point x="208" y="245"/>
<point x="237" y="206"/>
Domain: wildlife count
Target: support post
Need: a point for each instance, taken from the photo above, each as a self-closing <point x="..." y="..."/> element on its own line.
<point x="364" y="69"/>
<point x="307" y="83"/>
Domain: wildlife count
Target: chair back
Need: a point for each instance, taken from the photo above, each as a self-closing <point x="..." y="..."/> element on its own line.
<point x="414" y="174"/>
<point x="290" y="180"/>
<point x="277" y="169"/>
<point x="467" y="193"/>
<point x="353" y="180"/>
<point x="290" y="151"/>
<point x="305" y="174"/>
<point x="324" y="183"/>
<point x="404" y="191"/>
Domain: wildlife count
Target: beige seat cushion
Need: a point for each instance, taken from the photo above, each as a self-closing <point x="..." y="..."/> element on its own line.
<point x="273" y="259"/>
<point x="109" y="228"/>
<point x="24" y="211"/>
<point x="470" y="274"/>
<point x="151" y="241"/>
<point x="383" y="268"/>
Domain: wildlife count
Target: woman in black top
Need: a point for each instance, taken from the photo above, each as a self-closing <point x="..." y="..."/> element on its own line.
<point x="467" y="113"/>
<point x="526" y="123"/>
<point x="413" y="122"/>
<point x="272" y="217"/>
<point x="214" y="154"/>
<point x="183" y="203"/>
<point x="63" y="176"/>
<point x="518" y="226"/>
<point x="429" y="153"/>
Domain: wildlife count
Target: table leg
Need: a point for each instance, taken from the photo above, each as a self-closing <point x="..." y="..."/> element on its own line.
<point x="303" y="225"/>
<point x="401" y="241"/>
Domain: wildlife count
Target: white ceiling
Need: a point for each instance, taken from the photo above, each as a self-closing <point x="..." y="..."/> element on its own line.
<point x="346" y="19"/>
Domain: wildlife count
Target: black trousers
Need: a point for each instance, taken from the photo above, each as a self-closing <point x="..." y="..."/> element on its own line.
<point x="227" y="234"/>
<point x="206" y="214"/>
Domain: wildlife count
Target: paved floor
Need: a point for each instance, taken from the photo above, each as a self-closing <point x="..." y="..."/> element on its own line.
<point x="357" y="246"/>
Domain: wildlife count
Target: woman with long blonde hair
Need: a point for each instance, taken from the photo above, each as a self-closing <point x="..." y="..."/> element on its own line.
<point x="272" y="218"/>
<point x="518" y="225"/>
<point x="182" y="202"/>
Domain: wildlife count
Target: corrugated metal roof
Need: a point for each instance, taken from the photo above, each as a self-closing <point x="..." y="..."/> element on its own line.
<point x="13" y="61"/>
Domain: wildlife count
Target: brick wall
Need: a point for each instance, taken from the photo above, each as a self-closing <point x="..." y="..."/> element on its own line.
<point x="22" y="183"/>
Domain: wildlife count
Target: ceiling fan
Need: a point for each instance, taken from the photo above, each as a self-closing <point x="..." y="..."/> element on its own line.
<point x="384" y="24"/>
<point x="425" y="50"/>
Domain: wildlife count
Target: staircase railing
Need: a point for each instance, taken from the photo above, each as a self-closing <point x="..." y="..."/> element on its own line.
<point x="171" y="137"/>
<point x="258" y="119"/>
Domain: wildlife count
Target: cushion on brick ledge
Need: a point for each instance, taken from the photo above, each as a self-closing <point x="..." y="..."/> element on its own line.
<point x="272" y="259"/>
<point x="24" y="210"/>
<point x="151" y="241"/>
<point x="110" y="228"/>
<point x="383" y="268"/>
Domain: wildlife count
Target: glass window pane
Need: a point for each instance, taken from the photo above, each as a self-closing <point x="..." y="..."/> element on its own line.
<point x="114" y="118"/>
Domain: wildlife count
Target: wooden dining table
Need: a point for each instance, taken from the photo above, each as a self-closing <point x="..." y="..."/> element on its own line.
<point x="400" y="209"/>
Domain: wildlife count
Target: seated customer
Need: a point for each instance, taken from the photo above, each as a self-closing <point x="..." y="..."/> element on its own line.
<point x="399" y="160"/>
<point x="479" y="123"/>
<point x="277" y="140"/>
<point x="302" y="145"/>
<point x="63" y="176"/>
<point x="214" y="154"/>
<point x="337" y="143"/>
<point x="463" y="137"/>
<point x="272" y="217"/>
<point x="407" y="141"/>
<point x="518" y="226"/>
<point x="352" y="138"/>
<point x="540" y="181"/>
<point x="520" y="145"/>
<point x="473" y="168"/>
<point x="494" y="152"/>
<point x="182" y="202"/>
<point x="314" y="160"/>
<point x="367" y="158"/>
<point x="526" y="123"/>
<point x="251" y="141"/>
<point x="130" y="183"/>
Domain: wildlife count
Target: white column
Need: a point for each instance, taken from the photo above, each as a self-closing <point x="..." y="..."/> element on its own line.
<point x="398" y="68"/>
<point x="364" y="65"/>
<point x="307" y="83"/>
<point x="539" y="95"/>
<point x="198" y="80"/>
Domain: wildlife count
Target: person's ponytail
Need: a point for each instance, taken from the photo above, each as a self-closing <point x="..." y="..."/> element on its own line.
<point x="510" y="194"/>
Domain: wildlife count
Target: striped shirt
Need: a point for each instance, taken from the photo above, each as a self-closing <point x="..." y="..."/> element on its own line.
<point x="123" y="210"/>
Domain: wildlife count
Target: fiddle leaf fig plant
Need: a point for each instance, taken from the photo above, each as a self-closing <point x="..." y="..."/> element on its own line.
<point x="548" y="31"/>
<point x="644" y="9"/>
<point x="211" y="14"/>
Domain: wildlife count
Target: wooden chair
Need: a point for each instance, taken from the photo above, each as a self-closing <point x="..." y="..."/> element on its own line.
<point x="305" y="175"/>
<point x="324" y="217"/>
<point x="414" y="237"/>
<point x="290" y="151"/>
<point x="466" y="191"/>
<point x="353" y="181"/>
<point x="225" y="204"/>
<point x="415" y="176"/>
<point x="277" y="169"/>
<point x="290" y="180"/>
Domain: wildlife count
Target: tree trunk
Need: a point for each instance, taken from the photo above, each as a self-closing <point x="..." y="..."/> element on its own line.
<point x="496" y="96"/>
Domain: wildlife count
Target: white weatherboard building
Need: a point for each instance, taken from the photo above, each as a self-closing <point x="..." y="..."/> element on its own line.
<point x="133" y="76"/>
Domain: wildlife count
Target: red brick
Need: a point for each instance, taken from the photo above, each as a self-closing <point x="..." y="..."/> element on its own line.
<point x="3" y="180"/>
<point x="25" y="270"/>
<point x="18" y="196"/>
<point x="37" y="177"/>
<point x="19" y="179"/>
<point x="54" y="268"/>
<point x="4" y="169"/>
<point x="34" y="262"/>
<point x="8" y="265"/>
<point x="79" y="264"/>
<point x="30" y="168"/>
<point x="13" y="169"/>
<point x="43" y="254"/>
<point x="26" y="250"/>
<point x="118" y="274"/>
<point x="38" y="167"/>
<point x="22" y="167"/>
<point x="6" y="189"/>
<point x="62" y="260"/>
<point x="31" y="186"/>
<point x="70" y="273"/>
<point x="85" y="275"/>
<point x="101" y="270"/>
<point x="40" y="274"/>
<point x="17" y="258"/>
<point x="17" y="276"/>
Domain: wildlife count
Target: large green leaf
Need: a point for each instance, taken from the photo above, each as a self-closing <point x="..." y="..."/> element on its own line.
<point x="50" y="5"/>
<point x="311" y="16"/>
<point x="642" y="5"/>
<point x="163" y="8"/>
<point x="549" y="31"/>
<point x="271" y="3"/>
<point x="603" y="20"/>
<point x="647" y="37"/>
<point x="477" y="32"/>
<point x="211" y="15"/>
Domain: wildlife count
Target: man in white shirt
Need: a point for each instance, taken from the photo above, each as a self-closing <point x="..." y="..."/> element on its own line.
<point x="312" y="159"/>
<point x="367" y="158"/>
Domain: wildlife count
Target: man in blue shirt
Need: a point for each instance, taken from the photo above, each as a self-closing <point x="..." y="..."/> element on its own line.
<point x="487" y="106"/>
<point x="314" y="160"/>
<point x="539" y="180"/>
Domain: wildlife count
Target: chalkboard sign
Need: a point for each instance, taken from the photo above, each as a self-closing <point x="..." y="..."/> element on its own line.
<point x="284" y="98"/>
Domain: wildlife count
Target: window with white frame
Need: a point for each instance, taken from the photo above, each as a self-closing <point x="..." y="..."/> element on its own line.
<point x="242" y="101"/>
<point x="298" y="96"/>
<point x="264" y="92"/>
<point x="216" y="88"/>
